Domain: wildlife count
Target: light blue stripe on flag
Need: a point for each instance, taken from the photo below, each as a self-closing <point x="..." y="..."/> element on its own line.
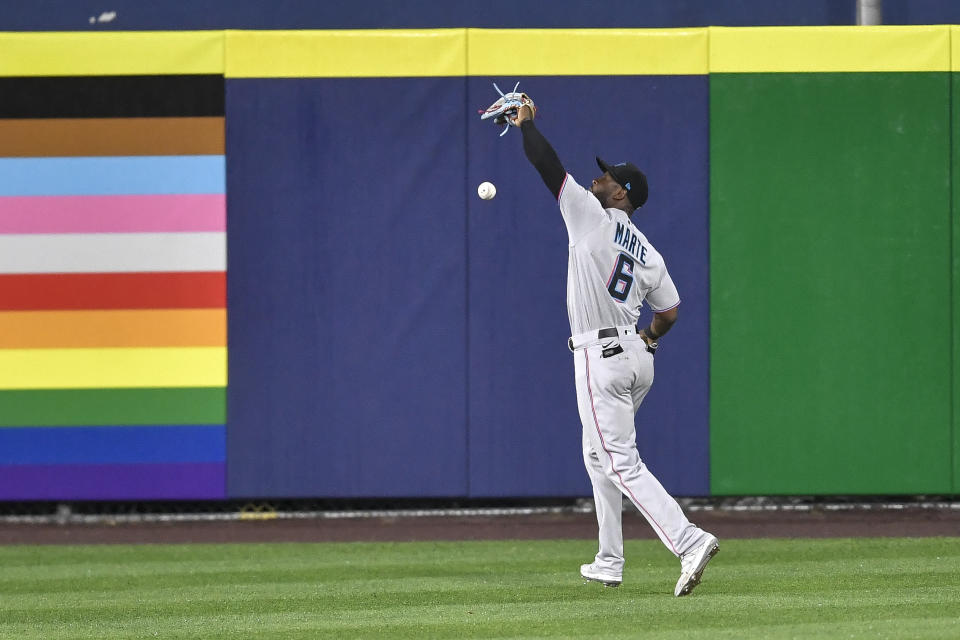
<point x="128" y="175"/>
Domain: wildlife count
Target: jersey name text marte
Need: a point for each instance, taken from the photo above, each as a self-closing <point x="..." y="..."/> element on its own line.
<point x="630" y="242"/>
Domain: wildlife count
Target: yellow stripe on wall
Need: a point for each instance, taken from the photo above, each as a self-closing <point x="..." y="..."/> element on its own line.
<point x="480" y="52"/>
<point x="955" y="48"/>
<point x="586" y="52"/>
<point x="361" y="53"/>
<point x="113" y="328"/>
<point x="113" y="368"/>
<point x="111" y="53"/>
<point x="829" y="49"/>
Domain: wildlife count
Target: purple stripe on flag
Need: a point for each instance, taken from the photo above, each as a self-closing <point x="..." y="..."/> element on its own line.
<point x="110" y="214"/>
<point x="189" y="481"/>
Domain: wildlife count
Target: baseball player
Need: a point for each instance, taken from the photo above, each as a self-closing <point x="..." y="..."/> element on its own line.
<point x="611" y="270"/>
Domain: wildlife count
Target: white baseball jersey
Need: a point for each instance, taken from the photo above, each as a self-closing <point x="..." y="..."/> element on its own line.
<point x="605" y="247"/>
<point x="612" y="270"/>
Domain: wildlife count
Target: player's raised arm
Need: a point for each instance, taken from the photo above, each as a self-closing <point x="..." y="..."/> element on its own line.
<point x="539" y="152"/>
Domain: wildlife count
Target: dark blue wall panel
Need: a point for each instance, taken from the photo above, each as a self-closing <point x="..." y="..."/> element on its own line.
<point x="392" y="335"/>
<point x="346" y="288"/>
<point x="524" y="427"/>
<point x="340" y="14"/>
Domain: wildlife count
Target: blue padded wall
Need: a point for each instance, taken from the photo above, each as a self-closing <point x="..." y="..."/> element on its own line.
<point x="393" y="335"/>
<point x="346" y="250"/>
<point x="524" y="426"/>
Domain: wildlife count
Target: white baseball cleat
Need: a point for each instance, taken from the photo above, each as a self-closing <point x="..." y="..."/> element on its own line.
<point x="692" y="564"/>
<point x="591" y="574"/>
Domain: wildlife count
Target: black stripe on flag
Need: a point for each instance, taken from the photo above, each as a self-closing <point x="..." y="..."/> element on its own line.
<point x="112" y="96"/>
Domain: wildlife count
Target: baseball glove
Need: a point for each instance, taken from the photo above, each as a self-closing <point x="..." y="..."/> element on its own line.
<point x="504" y="110"/>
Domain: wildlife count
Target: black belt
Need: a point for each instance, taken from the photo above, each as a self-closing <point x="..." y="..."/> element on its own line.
<point x="611" y="332"/>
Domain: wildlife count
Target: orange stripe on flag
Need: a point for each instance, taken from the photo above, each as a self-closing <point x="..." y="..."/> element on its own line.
<point x="135" y="328"/>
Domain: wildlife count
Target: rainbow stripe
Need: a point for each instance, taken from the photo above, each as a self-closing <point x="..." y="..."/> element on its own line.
<point x="113" y="350"/>
<point x="112" y="445"/>
<point x="111" y="176"/>
<point x="113" y="214"/>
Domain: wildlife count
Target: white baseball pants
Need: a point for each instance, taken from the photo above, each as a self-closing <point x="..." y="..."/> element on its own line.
<point x="609" y="392"/>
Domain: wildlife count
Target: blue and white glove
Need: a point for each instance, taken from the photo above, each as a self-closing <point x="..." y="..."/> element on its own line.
<point x="504" y="110"/>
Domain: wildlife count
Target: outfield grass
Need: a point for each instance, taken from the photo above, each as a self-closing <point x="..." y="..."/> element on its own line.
<point x="861" y="588"/>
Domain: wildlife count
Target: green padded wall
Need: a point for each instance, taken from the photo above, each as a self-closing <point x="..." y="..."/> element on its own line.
<point x="955" y="166"/>
<point x="831" y="337"/>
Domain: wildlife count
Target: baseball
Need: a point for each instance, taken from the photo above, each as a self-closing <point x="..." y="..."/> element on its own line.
<point x="486" y="190"/>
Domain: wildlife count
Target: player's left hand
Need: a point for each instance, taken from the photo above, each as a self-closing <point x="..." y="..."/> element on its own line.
<point x="651" y="343"/>
<point x="506" y="110"/>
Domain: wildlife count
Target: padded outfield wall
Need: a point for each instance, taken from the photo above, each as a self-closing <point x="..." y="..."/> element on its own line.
<point x="421" y="345"/>
<point x="830" y="220"/>
<point x="392" y="335"/>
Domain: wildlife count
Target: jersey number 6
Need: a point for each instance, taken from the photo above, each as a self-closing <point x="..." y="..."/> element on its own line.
<point x="621" y="279"/>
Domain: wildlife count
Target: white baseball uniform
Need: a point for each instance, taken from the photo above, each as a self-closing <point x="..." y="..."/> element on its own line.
<point x="612" y="269"/>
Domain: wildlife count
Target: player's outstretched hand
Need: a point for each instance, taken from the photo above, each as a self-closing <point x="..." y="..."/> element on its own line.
<point x="525" y="112"/>
<point x="510" y="109"/>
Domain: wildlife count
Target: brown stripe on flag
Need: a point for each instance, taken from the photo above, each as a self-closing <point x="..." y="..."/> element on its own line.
<point x="62" y="137"/>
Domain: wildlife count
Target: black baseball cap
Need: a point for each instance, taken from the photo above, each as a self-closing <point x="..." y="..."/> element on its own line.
<point x="630" y="178"/>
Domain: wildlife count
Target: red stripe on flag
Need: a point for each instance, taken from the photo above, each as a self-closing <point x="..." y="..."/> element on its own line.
<point x="166" y="290"/>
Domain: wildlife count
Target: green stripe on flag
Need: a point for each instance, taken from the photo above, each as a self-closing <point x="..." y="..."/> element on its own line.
<point x="90" y="407"/>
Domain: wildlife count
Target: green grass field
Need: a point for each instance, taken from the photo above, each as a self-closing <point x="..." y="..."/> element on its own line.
<point x="850" y="588"/>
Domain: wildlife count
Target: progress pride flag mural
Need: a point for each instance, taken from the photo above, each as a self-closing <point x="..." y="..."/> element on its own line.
<point x="112" y="284"/>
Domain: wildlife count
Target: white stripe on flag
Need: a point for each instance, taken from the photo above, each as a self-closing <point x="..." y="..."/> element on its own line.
<point x="113" y="252"/>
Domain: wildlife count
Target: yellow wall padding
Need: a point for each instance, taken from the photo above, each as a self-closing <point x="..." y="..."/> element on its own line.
<point x="481" y="52"/>
<point x="111" y="53"/>
<point x="954" y="48"/>
<point x="345" y="54"/>
<point x="829" y="49"/>
<point x="586" y="52"/>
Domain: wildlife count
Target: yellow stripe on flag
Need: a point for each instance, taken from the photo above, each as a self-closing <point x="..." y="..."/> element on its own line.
<point x="115" y="53"/>
<point x="344" y="54"/>
<point x="829" y="49"/>
<point x="113" y="368"/>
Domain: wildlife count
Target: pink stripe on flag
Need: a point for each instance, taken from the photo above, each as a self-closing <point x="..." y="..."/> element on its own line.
<point x="107" y="214"/>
